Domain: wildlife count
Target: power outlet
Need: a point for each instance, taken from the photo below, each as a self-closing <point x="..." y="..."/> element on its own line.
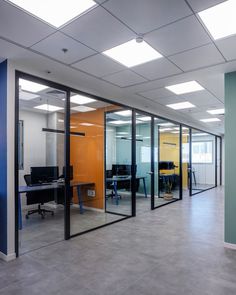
<point x="91" y="193"/>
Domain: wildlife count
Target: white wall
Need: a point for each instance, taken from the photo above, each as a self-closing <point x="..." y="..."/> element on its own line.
<point x="34" y="142"/>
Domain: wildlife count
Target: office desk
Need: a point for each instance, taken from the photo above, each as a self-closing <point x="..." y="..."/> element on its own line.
<point x="52" y="186"/>
<point x="116" y="179"/>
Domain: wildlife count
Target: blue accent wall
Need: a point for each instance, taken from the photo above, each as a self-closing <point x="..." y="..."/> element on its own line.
<point x="3" y="157"/>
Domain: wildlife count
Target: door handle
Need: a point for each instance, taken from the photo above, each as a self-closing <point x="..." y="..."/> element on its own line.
<point x="150" y="172"/>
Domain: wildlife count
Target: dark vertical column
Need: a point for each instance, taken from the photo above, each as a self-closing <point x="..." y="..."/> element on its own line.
<point x="180" y="165"/>
<point x="133" y="156"/>
<point x="152" y="165"/>
<point x="3" y="157"/>
<point x="67" y="165"/>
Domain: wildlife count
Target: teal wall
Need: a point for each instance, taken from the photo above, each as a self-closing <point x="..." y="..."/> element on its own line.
<point x="230" y="158"/>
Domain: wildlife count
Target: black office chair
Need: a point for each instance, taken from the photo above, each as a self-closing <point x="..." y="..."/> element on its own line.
<point x="38" y="197"/>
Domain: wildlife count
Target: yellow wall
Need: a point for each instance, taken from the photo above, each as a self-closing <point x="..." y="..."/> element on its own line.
<point x="170" y="152"/>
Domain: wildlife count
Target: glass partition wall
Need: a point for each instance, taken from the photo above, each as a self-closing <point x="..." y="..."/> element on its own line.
<point x="167" y="178"/>
<point x="83" y="162"/>
<point x="203" y="161"/>
<point x="41" y="134"/>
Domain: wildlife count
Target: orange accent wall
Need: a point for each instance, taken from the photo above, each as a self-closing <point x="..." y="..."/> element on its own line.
<point x="87" y="154"/>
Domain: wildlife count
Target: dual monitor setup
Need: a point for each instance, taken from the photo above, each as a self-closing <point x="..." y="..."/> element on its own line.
<point x="47" y="174"/>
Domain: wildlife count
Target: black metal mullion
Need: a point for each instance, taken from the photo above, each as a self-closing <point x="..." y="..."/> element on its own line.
<point x="190" y="162"/>
<point x="133" y="156"/>
<point x="180" y="165"/>
<point x="152" y="164"/>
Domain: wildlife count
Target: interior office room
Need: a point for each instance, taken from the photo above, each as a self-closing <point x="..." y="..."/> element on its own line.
<point x="117" y="147"/>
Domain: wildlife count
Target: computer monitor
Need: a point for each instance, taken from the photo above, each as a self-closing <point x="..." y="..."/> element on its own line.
<point x="121" y="169"/>
<point x="166" y="165"/>
<point x="45" y="174"/>
<point x="64" y="172"/>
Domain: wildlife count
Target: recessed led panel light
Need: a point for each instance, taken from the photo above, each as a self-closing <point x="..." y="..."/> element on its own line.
<point x="27" y="96"/>
<point x="145" y="119"/>
<point x="48" y="108"/>
<point x="120" y="122"/>
<point x="126" y="113"/>
<point x="220" y="19"/>
<point x="210" y="120"/>
<point x="216" y="112"/>
<point x="165" y="129"/>
<point x="31" y="86"/>
<point x="81" y="99"/>
<point x="83" y="109"/>
<point x="175" y="132"/>
<point x="132" y="53"/>
<point x="165" y="124"/>
<point x="186" y="87"/>
<point x="200" y="134"/>
<point x="123" y="133"/>
<point x="54" y="12"/>
<point x="181" y="105"/>
<point x="86" y="124"/>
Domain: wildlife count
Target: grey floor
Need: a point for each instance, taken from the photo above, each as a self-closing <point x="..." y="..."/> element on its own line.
<point x="177" y="249"/>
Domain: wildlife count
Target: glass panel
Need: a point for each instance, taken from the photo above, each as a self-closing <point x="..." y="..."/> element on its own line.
<point x="143" y="163"/>
<point x="118" y="161"/>
<point x="185" y="161"/>
<point x="41" y="112"/>
<point x="167" y="156"/>
<point x="91" y="125"/>
<point x="218" y="160"/>
<point x="203" y="161"/>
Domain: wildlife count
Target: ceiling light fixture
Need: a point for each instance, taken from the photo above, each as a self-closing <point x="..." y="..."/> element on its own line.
<point x="216" y="112"/>
<point x="126" y="113"/>
<point x="145" y="119"/>
<point x="220" y="19"/>
<point x="120" y="122"/>
<point x="181" y="105"/>
<point x="165" y="124"/>
<point x="185" y="87"/>
<point x="209" y="120"/>
<point x="48" y="108"/>
<point x="31" y="86"/>
<point x="81" y="99"/>
<point x="133" y="53"/>
<point x="83" y="109"/>
<point x="56" y="13"/>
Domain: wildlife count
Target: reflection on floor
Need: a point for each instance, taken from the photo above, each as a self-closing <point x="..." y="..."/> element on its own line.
<point x="142" y="204"/>
<point x="38" y="232"/>
<point x="200" y="187"/>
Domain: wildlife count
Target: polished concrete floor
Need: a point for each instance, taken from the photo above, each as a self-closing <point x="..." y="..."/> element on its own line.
<point x="175" y="250"/>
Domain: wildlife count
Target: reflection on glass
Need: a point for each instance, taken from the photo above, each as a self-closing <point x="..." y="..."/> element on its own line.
<point x="92" y="123"/>
<point x="143" y="163"/>
<point x="203" y="161"/>
<point x="166" y="166"/>
<point x="41" y="161"/>
<point x="118" y="161"/>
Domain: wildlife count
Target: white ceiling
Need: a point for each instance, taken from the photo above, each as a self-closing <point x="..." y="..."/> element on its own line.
<point x="170" y="26"/>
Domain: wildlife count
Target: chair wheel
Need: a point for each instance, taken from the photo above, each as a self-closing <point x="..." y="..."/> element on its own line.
<point x="27" y="216"/>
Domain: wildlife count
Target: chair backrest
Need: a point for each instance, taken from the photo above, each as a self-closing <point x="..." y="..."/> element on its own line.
<point x="27" y="178"/>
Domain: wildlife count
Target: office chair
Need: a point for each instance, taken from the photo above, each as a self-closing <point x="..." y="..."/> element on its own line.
<point x="38" y="197"/>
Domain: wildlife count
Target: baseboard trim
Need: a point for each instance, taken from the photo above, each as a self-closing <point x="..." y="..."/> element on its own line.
<point x="8" y="257"/>
<point x="90" y="208"/>
<point x="230" y="246"/>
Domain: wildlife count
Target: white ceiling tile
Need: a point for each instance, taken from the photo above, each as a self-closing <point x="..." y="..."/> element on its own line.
<point x="214" y="83"/>
<point x="9" y="50"/>
<point x="100" y="1"/>
<point x="227" y="46"/>
<point x="99" y="30"/>
<point x="156" y="69"/>
<point x="196" y="58"/>
<point x="53" y="45"/>
<point x="201" y="98"/>
<point x="199" y="5"/>
<point x="21" y="27"/>
<point x="124" y="78"/>
<point x="144" y="16"/>
<point x="182" y="35"/>
<point x="169" y="100"/>
<point x="99" y="65"/>
<point x="156" y="93"/>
